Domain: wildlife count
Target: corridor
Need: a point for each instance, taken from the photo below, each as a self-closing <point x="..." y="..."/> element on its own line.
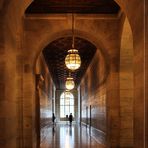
<point x="64" y="136"/>
<point x="83" y="61"/>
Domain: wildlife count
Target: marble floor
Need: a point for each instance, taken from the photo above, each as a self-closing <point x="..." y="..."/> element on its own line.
<point x="64" y="136"/>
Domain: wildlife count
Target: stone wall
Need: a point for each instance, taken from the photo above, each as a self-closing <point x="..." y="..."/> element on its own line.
<point x="137" y="24"/>
<point x="44" y="97"/>
<point x="113" y="114"/>
<point x="11" y="82"/>
<point x="146" y="74"/>
<point x="15" y="119"/>
<point x="93" y="98"/>
<point x="126" y="87"/>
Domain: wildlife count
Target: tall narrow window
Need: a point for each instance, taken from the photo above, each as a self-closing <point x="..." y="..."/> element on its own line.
<point x="66" y="105"/>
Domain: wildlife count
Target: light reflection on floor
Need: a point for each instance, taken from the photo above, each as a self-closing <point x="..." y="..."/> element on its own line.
<point x="65" y="136"/>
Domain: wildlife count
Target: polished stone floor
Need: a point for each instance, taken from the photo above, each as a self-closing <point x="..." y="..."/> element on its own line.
<point x="64" y="136"/>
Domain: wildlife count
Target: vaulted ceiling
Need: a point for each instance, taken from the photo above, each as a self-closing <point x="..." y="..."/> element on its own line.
<point x="55" y="54"/>
<point x="56" y="51"/>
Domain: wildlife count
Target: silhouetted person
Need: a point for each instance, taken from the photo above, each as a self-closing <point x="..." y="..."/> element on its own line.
<point x="70" y="119"/>
<point x="67" y="119"/>
<point x="53" y="118"/>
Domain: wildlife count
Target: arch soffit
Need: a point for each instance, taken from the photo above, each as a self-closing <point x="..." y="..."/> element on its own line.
<point x="85" y="35"/>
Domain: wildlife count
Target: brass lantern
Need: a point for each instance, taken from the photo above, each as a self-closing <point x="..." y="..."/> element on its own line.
<point x="69" y="83"/>
<point x="73" y="60"/>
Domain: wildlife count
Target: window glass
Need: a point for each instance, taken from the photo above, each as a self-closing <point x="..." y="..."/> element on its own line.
<point x="61" y="111"/>
<point x="71" y="101"/>
<point x="72" y="109"/>
<point x="61" y="101"/>
<point x="66" y="104"/>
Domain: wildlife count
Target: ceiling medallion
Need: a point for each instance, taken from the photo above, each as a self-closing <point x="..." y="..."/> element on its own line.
<point x="73" y="60"/>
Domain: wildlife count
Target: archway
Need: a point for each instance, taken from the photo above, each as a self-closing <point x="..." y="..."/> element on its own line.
<point x="58" y="51"/>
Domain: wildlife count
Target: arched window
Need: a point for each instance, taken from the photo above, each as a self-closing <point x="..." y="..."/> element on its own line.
<point x="66" y="104"/>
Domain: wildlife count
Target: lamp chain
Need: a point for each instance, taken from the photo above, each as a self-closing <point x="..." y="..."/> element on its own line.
<point x="72" y="30"/>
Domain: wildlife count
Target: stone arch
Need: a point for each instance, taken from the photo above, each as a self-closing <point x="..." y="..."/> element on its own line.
<point x="81" y="34"/>
<point x="126" y="86"/>
<point x="139" y="74"/>
<point x="85" y="35"/>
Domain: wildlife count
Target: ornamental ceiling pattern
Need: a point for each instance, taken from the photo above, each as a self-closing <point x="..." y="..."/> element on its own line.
<point x="55" y="54"/>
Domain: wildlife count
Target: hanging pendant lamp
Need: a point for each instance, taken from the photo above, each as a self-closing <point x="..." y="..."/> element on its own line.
<point x="69" y="83"/>
<point x="73" y="60"/>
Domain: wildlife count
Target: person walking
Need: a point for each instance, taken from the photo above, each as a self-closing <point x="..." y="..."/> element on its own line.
<point x="67" y="119"/>
<point x="70" y="119"/>
<point x="53" y="118"/>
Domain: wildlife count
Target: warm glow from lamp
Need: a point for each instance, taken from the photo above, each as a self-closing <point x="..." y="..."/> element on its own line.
<point x="69" y="83"/>
<point x="73" y="60"/>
